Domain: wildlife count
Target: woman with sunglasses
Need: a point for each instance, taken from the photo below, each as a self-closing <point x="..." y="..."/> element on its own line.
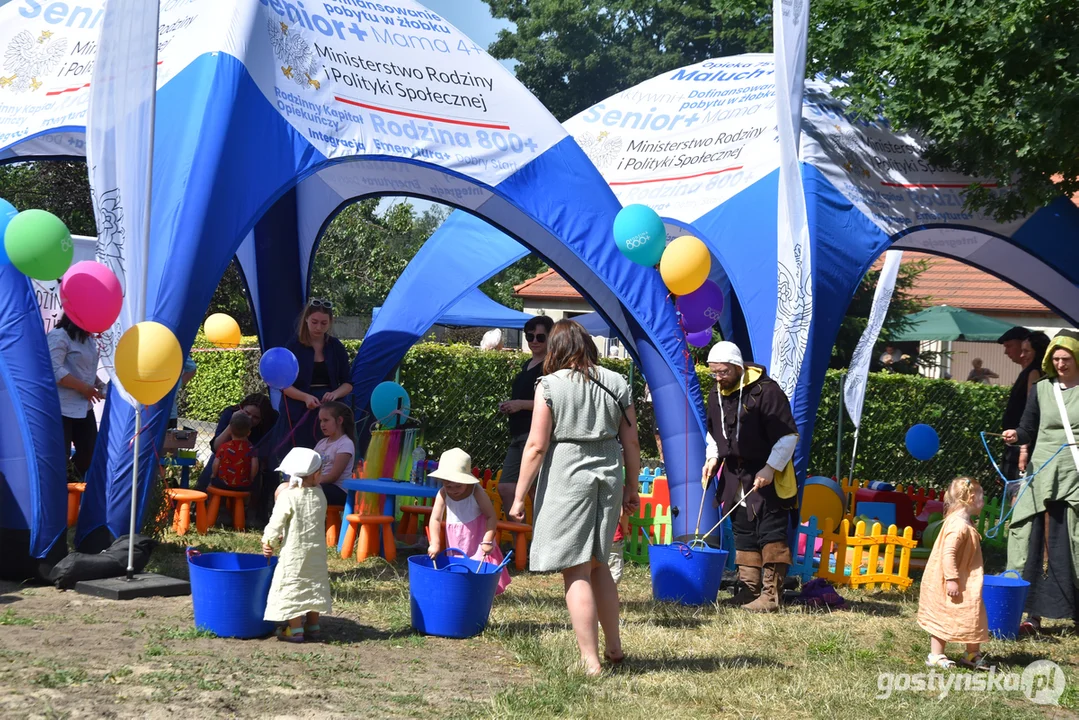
<point x="519" y="406"/>
<point x="324" y="375"/>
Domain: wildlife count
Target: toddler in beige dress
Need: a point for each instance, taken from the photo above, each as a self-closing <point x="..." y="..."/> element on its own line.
<point x="950" y="606"/>
<point x="300" y="590"/>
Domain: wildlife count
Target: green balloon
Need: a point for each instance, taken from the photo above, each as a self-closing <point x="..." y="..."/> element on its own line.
<point x="39" y="245"/>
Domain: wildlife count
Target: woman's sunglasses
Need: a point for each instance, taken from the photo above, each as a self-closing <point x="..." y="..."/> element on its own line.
<point x="536" y="337"/>
<point x="316" y="303"/>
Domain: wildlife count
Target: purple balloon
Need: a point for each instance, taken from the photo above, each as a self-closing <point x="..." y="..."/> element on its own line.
<point x="700" y="339"/>
<point x="701" y="308"/>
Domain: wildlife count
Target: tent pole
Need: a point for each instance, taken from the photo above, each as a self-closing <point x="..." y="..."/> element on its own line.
<point x="839" y="432"/>
<point x="134" y="494"/>
<point x="854" y="453"/>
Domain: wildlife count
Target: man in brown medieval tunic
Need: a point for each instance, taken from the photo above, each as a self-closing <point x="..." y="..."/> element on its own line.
<point x="752" y="436"/>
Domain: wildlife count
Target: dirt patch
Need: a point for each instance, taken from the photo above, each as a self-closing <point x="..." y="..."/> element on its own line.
<point x="69" y="655"/>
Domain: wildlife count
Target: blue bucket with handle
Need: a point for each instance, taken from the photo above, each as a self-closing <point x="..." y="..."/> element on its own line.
<point x="1005" y="597"/>
<point x="686" y="574"/>
<point x="451" y="596"/>
<point x="229" y="592"/>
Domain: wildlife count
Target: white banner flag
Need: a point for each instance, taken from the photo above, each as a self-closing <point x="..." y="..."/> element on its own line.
<point x="854" y="387"/>
<point x="119" y="149"/>
<point x="794" y="305"/>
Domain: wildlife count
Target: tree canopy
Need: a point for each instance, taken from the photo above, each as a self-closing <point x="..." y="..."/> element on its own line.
<point x="992" y="84"/>
<point x="574" y="53"/>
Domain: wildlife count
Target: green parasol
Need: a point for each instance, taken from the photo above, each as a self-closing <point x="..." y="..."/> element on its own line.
<point x="944" y="322"/>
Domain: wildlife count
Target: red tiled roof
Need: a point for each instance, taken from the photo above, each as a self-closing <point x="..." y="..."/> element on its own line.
<point x="950" y="282"/>
<point x="946" y="282"/>
<point x="546" y="286"/>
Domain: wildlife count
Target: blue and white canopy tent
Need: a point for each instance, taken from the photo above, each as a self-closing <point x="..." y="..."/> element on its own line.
<point x="478" y="310"/>
<point x="269" y="121"/>
<point x="698" y="145"/>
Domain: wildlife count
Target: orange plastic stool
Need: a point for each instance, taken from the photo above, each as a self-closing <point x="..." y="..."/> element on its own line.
<point x="181" y="516"/>
<point x="520" y="532"/>
<point x="74" y="499"/>
<point x="333" y="524"/>
<point x="235" y="500"/>
<point x="367" y="525"/>
<point x="410" y="519"/>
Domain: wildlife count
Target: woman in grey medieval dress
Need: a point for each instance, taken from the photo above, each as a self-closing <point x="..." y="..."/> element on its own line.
<point x="1043" y="539"/>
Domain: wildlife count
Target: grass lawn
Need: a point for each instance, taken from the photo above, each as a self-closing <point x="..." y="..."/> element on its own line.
<point x="67" y="655"/>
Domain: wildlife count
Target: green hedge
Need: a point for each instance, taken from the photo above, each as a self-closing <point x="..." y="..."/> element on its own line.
<point x="957" y="411"/>
<point x="456" y="389"/>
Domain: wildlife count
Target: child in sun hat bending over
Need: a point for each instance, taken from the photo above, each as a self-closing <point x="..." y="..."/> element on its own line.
<point x="467" y="511"/>
<point x="300" y="590"/>
<point x="950" y="606"/>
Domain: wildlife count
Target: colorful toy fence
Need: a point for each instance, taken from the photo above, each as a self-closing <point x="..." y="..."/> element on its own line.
<point x="871" y="556"/>
<point x="651" y="527"/>
<point x="919" y="495"/>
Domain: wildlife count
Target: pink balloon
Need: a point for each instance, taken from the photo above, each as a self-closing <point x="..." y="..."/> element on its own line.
<point x="91" y="296"/>
<point x="700" y="339"/>
<point x="701" y="308"/>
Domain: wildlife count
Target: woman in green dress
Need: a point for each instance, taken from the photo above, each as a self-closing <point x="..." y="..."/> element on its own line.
<point x="1043" y="540"/>
<point x="583" y="436"/>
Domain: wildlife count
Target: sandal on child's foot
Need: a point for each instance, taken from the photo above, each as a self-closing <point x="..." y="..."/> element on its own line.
<point x="312" y="633"/>
<point x="974" y="661"/>
<point x="939" y="661"/>
<point x="292" y="635"/>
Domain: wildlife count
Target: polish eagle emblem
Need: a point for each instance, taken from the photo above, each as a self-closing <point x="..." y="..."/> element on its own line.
<point x="28" y="59"/>
<point x="602" y="149"/>
<point x="296" y="54"/>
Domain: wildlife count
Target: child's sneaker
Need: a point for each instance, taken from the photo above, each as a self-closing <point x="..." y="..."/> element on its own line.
<point x="288" y="634"/>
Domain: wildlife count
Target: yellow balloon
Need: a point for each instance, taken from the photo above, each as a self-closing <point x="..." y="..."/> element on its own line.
<point x="222" y="330"/>
<point x="148" y="361"/>
<point x="685" y="265"/>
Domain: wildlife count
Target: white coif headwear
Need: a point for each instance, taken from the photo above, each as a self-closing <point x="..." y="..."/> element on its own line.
<point x="298" y="464"/>
<point x="726" y="352"/>
<point x="729" y="354"/>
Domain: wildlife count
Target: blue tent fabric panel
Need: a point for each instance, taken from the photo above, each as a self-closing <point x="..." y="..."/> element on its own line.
<point x="211" y="182"/>
<point x="595" y="325"/>
<point x="33" y="468"/>
<point x="477" y="310"/>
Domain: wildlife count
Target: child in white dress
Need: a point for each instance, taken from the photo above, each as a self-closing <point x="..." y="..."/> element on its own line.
<point x="471" y="523"/>
<point x="300" y="590"/>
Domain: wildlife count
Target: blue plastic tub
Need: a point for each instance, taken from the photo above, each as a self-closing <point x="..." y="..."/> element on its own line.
<point x="686" y="575"/>
<point x="1004" y="597"/>
<point x="229" y="593"/>
<point x="452" y="597"/>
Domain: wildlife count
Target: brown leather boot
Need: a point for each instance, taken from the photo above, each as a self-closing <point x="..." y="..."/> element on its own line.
<point x="749" y="575"/>
<point x="777" y="558"/>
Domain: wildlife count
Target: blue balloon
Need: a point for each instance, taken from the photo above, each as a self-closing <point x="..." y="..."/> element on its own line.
<point x="279" y="368"/>
<point x="384" y="404"/>
<point x="640" y="234"/>
<point x="7" y="211"/>
<point x="922" y="442"/>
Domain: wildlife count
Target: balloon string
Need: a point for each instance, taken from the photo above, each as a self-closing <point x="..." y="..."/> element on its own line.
<point x="292" y="428"/>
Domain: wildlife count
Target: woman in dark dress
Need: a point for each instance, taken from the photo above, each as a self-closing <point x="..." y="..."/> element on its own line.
<point x="324" y="375"/>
